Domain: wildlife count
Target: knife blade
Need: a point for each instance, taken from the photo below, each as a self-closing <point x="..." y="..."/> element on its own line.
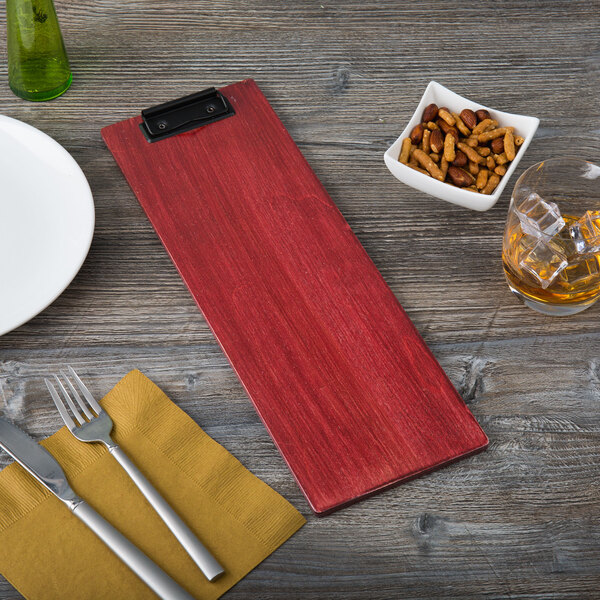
<point x="43" y="466"/>
<point x="37" y="460"/>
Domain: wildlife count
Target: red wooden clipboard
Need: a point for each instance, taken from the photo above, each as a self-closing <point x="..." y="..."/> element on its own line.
<point x="348" y="390"/>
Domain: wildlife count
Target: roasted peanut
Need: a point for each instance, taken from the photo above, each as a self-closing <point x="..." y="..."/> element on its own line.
<point x="416" y="135"/>
<point x="460" y="160"/>
<point x="490" y="163"/>
<point x="460" y="125"/>
<point x="405" y="151"/>
<point x="468" y="117"/>
<point x="448" y="129"/>
<point x="425" y="161"/>
<point x="497" y="145"/>
<point x="483" y="151"/>
<point x="449" y="150"/>
<point x="431" y="126"/>
<point x="430" y="113"/>
<point x="444" y="113"/>
<point x="472" y="141"/>
<point x="519" y="140"/>
<point x="472" y="155"/>
<point x="459" y="177"/>
<point x="500" y="170"/>
<point x="509" y="146"/>
<point x="482" y="114"/>
<point x="436" y="141"/>
<point x="435" y="157"/>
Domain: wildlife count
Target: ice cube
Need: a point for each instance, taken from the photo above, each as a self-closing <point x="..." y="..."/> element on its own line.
<point x="567" y="245"/>
<point x="581" y="274"/>
<point x="544" y="261"/>
<point x="585" y="233"/>
<point x="538" y="217"/>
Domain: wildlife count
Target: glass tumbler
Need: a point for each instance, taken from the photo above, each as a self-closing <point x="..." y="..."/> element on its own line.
<point x="38" y="67"/>
<point x="551" y="247"/>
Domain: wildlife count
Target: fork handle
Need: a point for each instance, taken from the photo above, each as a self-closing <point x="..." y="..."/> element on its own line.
<point x="150" y="573"/>
<point x="192" y="545"/>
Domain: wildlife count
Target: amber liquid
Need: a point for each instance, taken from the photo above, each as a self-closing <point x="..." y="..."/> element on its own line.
<point x="578" y="282"/>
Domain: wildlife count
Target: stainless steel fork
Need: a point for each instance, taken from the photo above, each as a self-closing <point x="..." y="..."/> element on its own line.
<point x="95" y="425"/>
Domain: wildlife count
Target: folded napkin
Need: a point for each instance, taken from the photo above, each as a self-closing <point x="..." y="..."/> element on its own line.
<point x="47" y="553"/>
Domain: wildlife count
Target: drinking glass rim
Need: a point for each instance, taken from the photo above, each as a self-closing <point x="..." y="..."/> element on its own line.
<point x="562" y="160"/>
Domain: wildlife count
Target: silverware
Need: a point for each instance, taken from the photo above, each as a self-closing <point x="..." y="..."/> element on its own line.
<point x="42" y="465"/>
<point x="96" y="427"/>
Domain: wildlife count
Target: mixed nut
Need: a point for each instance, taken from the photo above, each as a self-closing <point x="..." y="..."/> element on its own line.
<point x="467" y="150"/>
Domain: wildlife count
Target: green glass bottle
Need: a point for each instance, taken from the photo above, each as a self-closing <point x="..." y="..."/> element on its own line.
<point x="38" y="67"/>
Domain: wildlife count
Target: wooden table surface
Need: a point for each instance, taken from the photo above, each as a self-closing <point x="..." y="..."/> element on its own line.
<point x="518" y="521"/>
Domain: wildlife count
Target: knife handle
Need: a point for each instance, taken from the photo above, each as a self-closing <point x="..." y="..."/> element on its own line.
<point x="192" y="545"/>
<point x="150" y="573"/>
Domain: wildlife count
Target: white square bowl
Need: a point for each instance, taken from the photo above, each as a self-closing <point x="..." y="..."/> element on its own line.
<point x="435" y="93"/>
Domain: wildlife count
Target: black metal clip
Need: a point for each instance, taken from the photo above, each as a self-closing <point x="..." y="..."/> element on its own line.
<point x="184" y="114"/>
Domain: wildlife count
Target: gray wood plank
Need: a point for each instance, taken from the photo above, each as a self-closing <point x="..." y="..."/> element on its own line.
<point x="518" y="521"/>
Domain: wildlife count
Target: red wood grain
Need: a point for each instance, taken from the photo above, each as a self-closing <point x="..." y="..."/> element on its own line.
<point x="348" y="390"/>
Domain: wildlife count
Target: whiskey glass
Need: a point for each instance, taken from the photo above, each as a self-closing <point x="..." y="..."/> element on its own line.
<point x="551" y="246"/>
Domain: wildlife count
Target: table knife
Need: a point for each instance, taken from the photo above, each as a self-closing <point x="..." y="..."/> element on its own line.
<point x="42" y="465"/>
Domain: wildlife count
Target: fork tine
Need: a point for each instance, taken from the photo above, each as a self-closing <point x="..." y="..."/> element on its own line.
<point x="64" y="413"/>
<point x="78" y="399"/>
<point x="66" y="396"/>
<point x="86" y="393"/>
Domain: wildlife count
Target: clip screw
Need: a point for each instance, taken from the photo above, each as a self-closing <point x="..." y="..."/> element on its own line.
<point x="210" y="108"/>
<point x="162" y="124"/>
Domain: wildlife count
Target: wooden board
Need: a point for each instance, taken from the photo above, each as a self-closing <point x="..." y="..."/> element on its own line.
<point x="346" y="387"/>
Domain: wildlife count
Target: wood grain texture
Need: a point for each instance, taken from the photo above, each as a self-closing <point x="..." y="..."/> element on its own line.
<point x="518" y="521"/>
<point x="349" y="392"/>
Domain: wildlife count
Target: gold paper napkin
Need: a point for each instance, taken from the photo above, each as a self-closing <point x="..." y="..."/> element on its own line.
<point x="48" y="554"/>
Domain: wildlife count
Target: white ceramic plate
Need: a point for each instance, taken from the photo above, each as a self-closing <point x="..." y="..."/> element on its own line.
<point x="524" y="126"/>
<point x="46" y="221"/>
